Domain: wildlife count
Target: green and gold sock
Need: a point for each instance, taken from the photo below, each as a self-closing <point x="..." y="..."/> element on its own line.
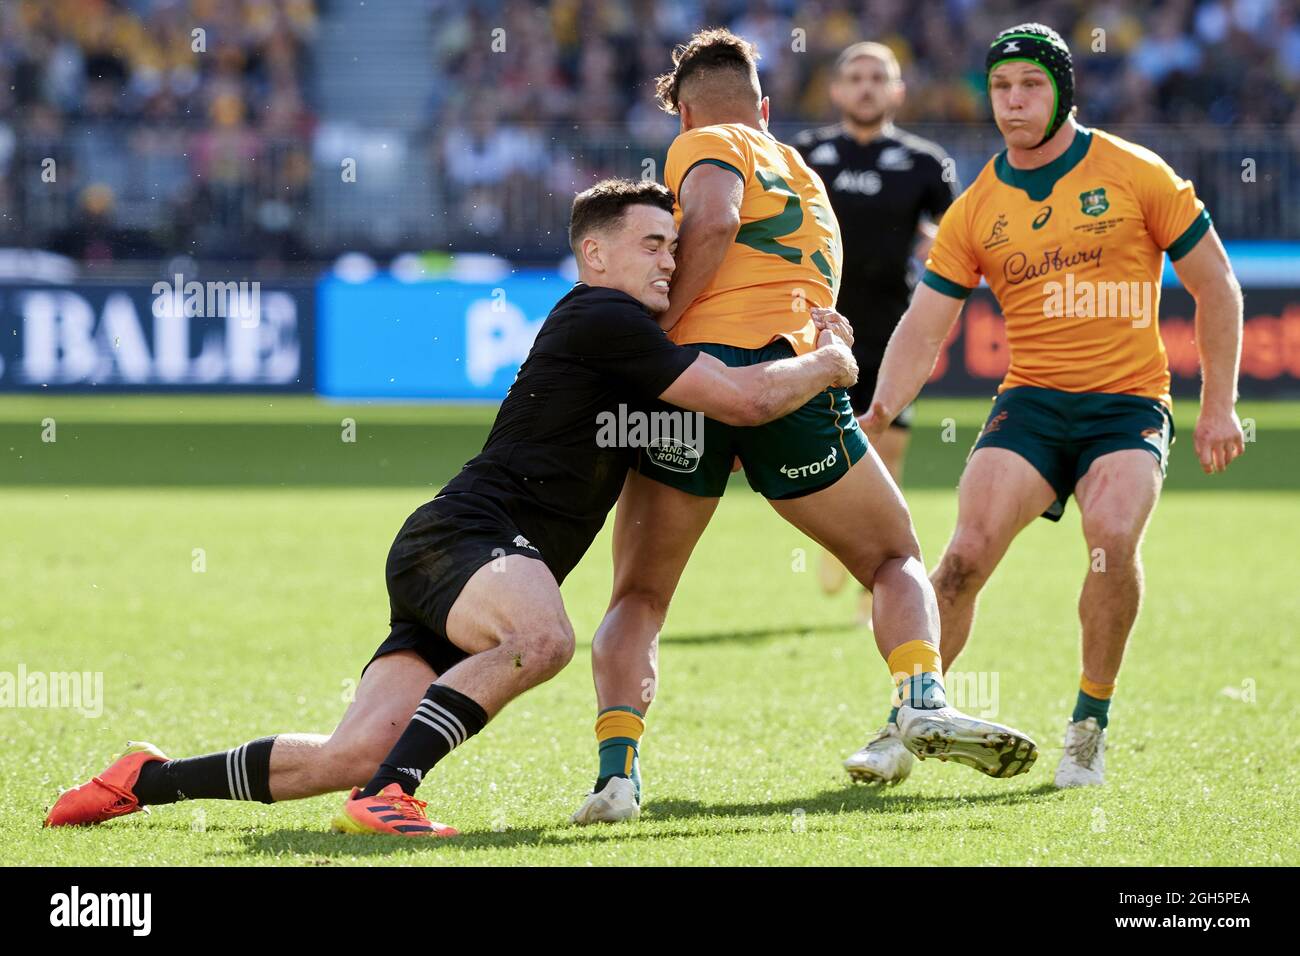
<point x="618" y="735"/>
<point x="1093" y="701"/>
<point x="917" y="672"/>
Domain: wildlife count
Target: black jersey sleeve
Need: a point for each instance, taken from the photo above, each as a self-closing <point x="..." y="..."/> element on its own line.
<point x="616" y="336"/>
<point x="941" y="187"/>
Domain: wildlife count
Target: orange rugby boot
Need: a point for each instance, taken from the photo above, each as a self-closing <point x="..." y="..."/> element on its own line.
<point x="391" y="811"/>
<point x="108" y="795"/>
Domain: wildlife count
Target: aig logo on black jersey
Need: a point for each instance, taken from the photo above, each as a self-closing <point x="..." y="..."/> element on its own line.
<point x="866" y="183"/>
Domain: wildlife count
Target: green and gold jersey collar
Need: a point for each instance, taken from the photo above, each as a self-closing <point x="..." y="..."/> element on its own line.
<point x="1038" y="183"/>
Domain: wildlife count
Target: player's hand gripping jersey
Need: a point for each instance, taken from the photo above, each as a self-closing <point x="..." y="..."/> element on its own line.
<point x="1073" y="252"/>
<point x="786" y="258"/>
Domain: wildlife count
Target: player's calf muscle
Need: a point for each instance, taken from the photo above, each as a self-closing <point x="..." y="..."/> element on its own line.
<point x="306" y="765"/>
<point x="643" y="606"/>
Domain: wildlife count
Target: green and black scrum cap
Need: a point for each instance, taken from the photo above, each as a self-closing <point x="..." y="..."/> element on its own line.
<point x="1043" y="47"/>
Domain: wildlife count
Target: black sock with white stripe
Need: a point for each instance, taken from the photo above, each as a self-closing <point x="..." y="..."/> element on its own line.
<point x="243" y="773"/>
<point x="444" y="720"/>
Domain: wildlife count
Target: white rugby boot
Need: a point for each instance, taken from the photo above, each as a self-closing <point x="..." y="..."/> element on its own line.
<point x="948" y="734"/>
<point x="617" y="802"/>
<point x="1084" y="762"/>
<point x="884" y="759"/>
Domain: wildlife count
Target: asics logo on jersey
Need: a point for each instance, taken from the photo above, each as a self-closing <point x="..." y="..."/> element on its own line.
<point x="814" y="468"/>
<point x="1044" y="214"/>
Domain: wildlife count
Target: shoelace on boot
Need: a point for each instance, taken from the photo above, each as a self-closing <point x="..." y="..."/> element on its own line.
<point x="126" y="799"/>
<point x="1083" y="749"/>
<point x="409" y="807"/>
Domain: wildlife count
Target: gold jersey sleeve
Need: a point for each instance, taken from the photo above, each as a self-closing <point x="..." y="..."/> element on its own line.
<point x="786" y="258"/>
<point x="952" y="257"/>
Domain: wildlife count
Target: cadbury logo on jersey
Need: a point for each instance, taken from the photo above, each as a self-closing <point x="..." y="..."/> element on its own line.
<point x="1018" y="267"/>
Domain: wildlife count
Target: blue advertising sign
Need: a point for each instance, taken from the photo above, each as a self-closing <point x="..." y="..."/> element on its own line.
<point x="450" y="339"/>
<point x="384" y="338"/>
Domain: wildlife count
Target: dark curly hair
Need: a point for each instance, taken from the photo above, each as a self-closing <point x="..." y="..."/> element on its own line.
<point x="709" y="50"/>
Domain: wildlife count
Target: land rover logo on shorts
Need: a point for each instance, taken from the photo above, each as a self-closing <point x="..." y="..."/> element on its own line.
<point x="814" y="468"/>
<point x="1044" y="214"/>
<point x="1094" y="202"/>
<point x="674" y="455"/>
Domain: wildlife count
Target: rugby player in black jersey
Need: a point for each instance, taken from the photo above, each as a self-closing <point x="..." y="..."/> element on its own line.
<point x="474" y="575"/>
<point x="889" y="189"/>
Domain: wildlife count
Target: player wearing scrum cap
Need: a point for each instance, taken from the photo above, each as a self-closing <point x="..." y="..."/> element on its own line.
<point x="1069" y="226"/>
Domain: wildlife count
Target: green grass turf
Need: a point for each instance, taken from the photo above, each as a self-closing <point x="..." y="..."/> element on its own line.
<point x="765" y="683"/>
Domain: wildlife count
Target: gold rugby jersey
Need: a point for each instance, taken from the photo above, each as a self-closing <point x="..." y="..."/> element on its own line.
<point x="786" y="258"/>
<point x="1074" y="252"/>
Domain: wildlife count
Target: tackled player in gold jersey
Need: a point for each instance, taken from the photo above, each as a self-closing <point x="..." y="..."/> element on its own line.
<point x="759" y="249"/>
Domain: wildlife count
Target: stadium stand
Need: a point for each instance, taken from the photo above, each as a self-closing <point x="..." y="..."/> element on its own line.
<point x="503" y="109"/>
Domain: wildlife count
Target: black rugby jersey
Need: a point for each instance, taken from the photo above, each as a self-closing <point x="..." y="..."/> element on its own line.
<point x="543" y="463"/>
<point x="879" y="190"/>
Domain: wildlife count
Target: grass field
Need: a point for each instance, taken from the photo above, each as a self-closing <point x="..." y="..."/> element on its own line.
<point x="766" y="685"/>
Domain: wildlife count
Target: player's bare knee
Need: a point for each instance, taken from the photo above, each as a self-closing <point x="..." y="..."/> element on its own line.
<point x="882" y="564"/>
<point x="965" y="566"/>
<point x="541" y="648"/>
<point x="1111" y="542"/>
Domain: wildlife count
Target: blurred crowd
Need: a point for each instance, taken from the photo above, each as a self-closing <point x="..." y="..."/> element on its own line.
<point x="588" y="66"/>
<point x="133" y="127"/>
<point x="1224" y="62"/>
<point x="188" y="125"/>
